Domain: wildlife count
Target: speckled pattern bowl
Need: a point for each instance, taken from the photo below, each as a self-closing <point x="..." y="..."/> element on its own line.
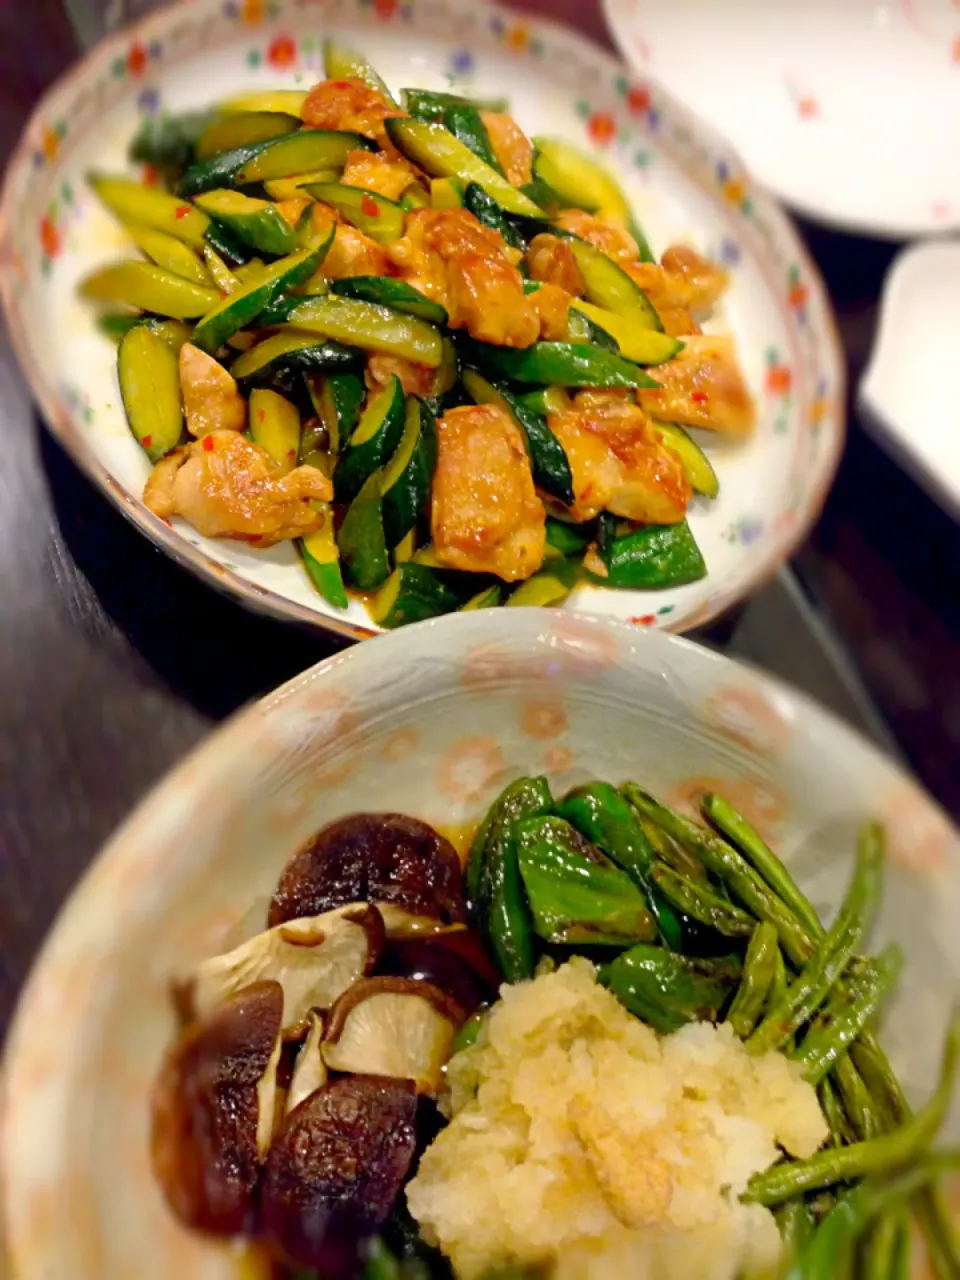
<point x="431" y="721"/>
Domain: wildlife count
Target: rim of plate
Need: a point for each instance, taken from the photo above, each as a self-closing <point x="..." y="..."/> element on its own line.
<point x="617" y="14"/>
<point x="195" y="772"/>
<point x="268" y="602"/>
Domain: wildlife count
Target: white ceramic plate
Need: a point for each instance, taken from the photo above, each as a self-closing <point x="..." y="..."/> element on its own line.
<point x="684" y="183"/>
<point x="432" y="722"/>
<point x="906" y="390"/>
<point x="844" y="108"/>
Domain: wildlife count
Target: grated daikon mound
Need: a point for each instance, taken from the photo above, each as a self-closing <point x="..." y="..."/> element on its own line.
<point x="582" y="1139"/>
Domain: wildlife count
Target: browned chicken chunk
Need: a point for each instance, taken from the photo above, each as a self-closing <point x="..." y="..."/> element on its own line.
<point x="387" y="174"/>
<point x="486" y="515"/>
<point x="352" y="253"/>
<point x="416" y="379"/>
<point x="228" y="487"/>
<point x="618" y="464"/>
<point x="551" y="260"/>
<point x="683" y="284"/>
<point x="510" y="145"/>
<point x="616" y="242"/>
<point x="211" y="399"/>
<point x="350" y="105"/>
<point x="703" y="386"/>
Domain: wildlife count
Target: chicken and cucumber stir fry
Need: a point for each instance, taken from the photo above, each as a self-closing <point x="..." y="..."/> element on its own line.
<point x="436" y="354"/>
<point x="618" y="1042"/>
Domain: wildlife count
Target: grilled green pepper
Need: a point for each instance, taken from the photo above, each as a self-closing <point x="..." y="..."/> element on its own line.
<point x="667" y="990"/>
<point x="653" y="557"/>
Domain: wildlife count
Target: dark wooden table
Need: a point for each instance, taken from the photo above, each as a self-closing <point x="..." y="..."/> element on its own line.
<point x="114" y="663"/>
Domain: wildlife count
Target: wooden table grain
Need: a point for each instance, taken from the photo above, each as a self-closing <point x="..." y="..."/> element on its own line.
<point x="114" y="663"/>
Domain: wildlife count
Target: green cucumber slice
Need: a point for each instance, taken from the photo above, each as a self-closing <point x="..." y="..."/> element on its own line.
<point x="385" y="291"/>
<point x="286" y="352"/>
<point x="363" y="548"/>
<point x="565" y="364"/>
<point x="696" y="464"/>
<point x="238" y="130"/>
<point x="408" y="479"/>
<point x="321" y="559"/>
<point x="634" y="341"/>
<point x="150" y="387"/>
<point x="653" y="558"/>
<point x="373" y="442"/>
<point x="134" y="202"/>
<point x="610" y="287"/>
<point x="285" y="101"/>
<point x="149" y="288"/>
<point x="373" y="214"/>
<point x="275" y="426"/>
<point x="341" y="62"/>
<point x="489" y="598"/>
<point x="375" y="328"/>
<point x="257" y="223"/>
<point x="338" y="399"/>
<point x="282" y="157"/>
<point x="411" y="594"/>
<point x="171" y="254"/>
<point x="435" y="149"/>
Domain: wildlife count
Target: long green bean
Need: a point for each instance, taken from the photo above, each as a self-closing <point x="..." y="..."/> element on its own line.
<point x="844" y="1020"/>
<point x="759" y="971"/>
<point x="886" y="1247"/>
<point x="697" y="902"/>
<point x="795" y="1223"/>
<point x="866" y="1116"/>
<point x="751" y="844"/>
<point x="877" y="1155"/>
<point x="853" y="1213"/>
<point x="818" y="977"/>
<point x="841" y="1130"/>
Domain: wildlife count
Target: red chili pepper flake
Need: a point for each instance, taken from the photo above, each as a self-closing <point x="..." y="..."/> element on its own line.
<point x="340" y="84"/>
<point x="147" y="441"/>
<point x="699" y="397"/>
<point x="182" y="211"/>
<point x="208" y="443"/>
<point x="369" y="206"/>
<point x="261" y="414"/>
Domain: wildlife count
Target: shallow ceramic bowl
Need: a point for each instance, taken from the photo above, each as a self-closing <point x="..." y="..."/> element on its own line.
<point x="432" y="722"/>
<point x="684" y="184"/>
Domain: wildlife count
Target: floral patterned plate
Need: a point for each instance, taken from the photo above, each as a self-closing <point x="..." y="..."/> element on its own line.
<point x="683" y="182"/>
<point x="432" y="721"/>
<point x="836" y="105"/>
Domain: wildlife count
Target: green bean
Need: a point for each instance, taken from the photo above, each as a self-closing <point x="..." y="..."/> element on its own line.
<point x="795" y="1222"/>
<point x="759" y="971"/>
<point x="859" y="1103"/>
<point x="884" y="1247"/>
<point x="935" y="1222"/>
<point x="841" y="1129"/>
<point x="877" y="1155"/>
<point x="700" y="904"/>
<point x="761" y="857"/>
<point x="854" y="1212"/>
<point x="723" y="861"/>
<point x="672" y="852"/>
<point x="845" y="1018"/>
<point x="818" y="977"/>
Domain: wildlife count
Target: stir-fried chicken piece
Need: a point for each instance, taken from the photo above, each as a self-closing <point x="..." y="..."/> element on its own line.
<point x="552" y="306"/>
<point x="352" y="253"/>
<point x="683" y="283"/>
<point x="211" y="399"/>
<point x="292" y="210"/>
<point x="618" y="464"/>
<point x="416" y="379"/>
<point x="228" y="487"/>
<point x="486" y="515"/>
<point x="703" y="386"/>
<point x="351" y="105"/>
<point x="615" y="242"/>
<point x="387" y="174"/>
<point x="510" y="145"/>
<point x="551" y="260"/>
<point x="451" y="257"/>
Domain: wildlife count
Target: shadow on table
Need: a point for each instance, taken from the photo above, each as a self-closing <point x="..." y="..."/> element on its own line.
<point x="203" y="646"/>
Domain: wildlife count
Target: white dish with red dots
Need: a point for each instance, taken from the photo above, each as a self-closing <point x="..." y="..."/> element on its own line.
<point x="843" y="108"/>
<point x="684" y="183"/>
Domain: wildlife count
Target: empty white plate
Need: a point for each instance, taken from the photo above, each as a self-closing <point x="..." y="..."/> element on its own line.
<point x="907" y="391"/>
<point x="847" y="109"/>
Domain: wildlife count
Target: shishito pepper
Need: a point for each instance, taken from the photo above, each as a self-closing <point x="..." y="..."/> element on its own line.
<point x="494" y="885"/>
<point x="600" y="812"/>
<point x="667" y="990"/>
<point x="577" y="894"/>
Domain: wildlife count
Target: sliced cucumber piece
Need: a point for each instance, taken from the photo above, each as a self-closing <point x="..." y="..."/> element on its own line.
<point x="486" y="210"/>
<point x="548" y="461"/>
<point x="149" y="288"/>
<point x="340" y="62"/>
<point x="321" y="559"/>
<point x="566" y="539"/>
<point x="171" y="254"/>
<point x="293" y="188"/>
<point x="363" y="324"/>
<point x="219" y="272"/>
<point x="285" y="101"/>
<point x="363" y="548"/>
<point x="652" y="558"/>
<point x="273" y="158"/>
<point x="387" y="292"/>
<point x="168" y="141"/>
<point x="580" y="328"/>
<point x="416" y="196"/>
<point x="240" y="129"/>
<point x="545" y="400"/>
<point x="242" y="306"/>
<point x="636" y="342"/>
<point x="257" y="223"/>
<point x="275" y="426"/>
<point x="134" y="202"/>
<point x="696" y="464"/>
<point x="150" y="387"/>
<point x="373" y="214"/>
<point x="411" y="594"/>
<point x="463" y="121"/>
<point x="338" y="399"/>
<point x="489" y="598"/>
<point x="286" y="352"/>
<point x="610" y="287"/>
<point x="430" y="104"/>
<point x="435" y="149"/>
<point x="565" y="364"/>
<point x="446" y="193"/>
<point x="373" y="442"/>
<point x="540" y="591"/>
<point x="408" y="478"/>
